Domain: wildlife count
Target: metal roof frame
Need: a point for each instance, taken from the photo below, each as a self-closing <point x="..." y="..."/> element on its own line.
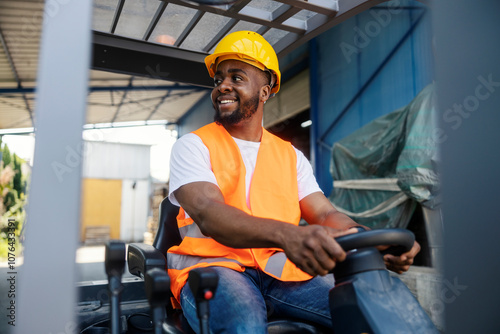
<point x="117" y="57"/>
<point x="321" y="16"/>
<point x="128" y="56"/>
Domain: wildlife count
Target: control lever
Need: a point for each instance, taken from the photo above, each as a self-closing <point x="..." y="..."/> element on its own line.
<point x="114" y="263"/>
<point x="157" y="285"/>
<point x="203" y="283"/>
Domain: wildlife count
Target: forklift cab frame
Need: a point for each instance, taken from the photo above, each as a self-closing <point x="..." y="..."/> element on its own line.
<point x="59" y="89"/>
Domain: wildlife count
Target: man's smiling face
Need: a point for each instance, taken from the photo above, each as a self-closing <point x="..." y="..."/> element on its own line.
<point x="236" y="93"/>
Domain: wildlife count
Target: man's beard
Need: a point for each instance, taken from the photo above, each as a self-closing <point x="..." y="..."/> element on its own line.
<point x="245" y="111"/>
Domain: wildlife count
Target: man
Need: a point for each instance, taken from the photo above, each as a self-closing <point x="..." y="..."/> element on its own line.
<point x="242" y="192"/>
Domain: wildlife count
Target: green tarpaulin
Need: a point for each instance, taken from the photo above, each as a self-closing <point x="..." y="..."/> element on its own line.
<point x="397" y="153"/>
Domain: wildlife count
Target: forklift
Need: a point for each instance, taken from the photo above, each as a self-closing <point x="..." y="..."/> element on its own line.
<point x="134" y="305"/>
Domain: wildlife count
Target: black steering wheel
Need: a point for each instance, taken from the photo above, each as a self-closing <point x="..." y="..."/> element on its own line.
<point x="367" y="257"/>
<point x="400" y="240"/>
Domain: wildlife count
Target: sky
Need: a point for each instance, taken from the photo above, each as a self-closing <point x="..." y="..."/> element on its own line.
<point x="160" y="139"/>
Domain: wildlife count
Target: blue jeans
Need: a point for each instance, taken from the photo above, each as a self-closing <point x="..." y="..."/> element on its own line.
<point x="243" y="301"/>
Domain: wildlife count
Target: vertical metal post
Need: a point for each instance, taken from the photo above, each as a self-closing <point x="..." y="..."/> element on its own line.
<point x="468" y="82"/>
<point x="314" y="112"/>
<point x="47" y="278"/>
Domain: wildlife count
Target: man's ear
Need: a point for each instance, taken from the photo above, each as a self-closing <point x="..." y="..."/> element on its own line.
<point x="265" y="93"/>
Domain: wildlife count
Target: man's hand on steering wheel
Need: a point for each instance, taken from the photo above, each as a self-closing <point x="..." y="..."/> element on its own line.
<point x="400" y="264"/>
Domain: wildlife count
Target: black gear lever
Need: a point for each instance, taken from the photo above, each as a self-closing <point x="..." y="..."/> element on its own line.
<point x="114" y="263"/>
<point x="203" y="283"/>
<point x="157" y="285"/>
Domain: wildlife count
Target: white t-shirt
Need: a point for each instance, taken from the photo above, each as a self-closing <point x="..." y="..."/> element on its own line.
<point x="190" y="162"/>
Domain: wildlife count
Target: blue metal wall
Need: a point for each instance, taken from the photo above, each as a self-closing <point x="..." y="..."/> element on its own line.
<point x="366" y="67"/>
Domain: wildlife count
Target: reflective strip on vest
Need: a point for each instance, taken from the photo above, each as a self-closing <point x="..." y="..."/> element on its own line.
<point x="179" y="262"/>
<point x="192" y="231"/>
<point x="276" y="263"/>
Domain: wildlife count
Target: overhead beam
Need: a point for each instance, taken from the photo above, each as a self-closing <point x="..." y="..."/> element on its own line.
<point x="140" y="58"/>
<point x="22" y="90"/>
<point x="9" y="58"/>
<point x="237" y="6"/>
<point x="222" y="32"/>
<point x="154" y="21"/>
<point x="325" y="7"/>
<point x="248" y="14"/>
<point x="262" y="30"/>
<point x="320" y="23"/>
<point x="284" y="12"/>
<point x="158" y="105"/>
<point x="118" y="13"/>
<point x="232" y="10"/>
<point x="124" y="96"/>
<point x="190" y="26"/>
<point x="16" y="75"/>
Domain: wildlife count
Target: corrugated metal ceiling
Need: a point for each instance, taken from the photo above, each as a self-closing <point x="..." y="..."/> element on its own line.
<point x="123" y="29"/>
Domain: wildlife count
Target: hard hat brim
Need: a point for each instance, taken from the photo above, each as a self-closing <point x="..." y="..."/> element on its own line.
<point x="212" y="62"/>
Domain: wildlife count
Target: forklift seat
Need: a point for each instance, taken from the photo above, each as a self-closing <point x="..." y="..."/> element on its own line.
<point x="142" y="258"/>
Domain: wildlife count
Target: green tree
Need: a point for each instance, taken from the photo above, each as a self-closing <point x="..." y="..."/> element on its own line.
<point x="12" y="198"/>
<point x="18" y="176"/>
<point x="6" y="158"/>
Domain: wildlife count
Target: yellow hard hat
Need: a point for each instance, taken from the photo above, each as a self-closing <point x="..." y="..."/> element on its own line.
<point x="249" y="47"/>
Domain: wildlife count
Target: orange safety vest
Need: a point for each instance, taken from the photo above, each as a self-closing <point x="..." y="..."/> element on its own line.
<point x="273" y="194"/>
